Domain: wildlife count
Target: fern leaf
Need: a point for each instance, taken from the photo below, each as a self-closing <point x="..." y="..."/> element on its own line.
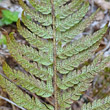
<point x="16" y="94"/>
<point x="53" y="59"/>
<point x="60" y="2"/>
<point x="103" y="104"/>
<point x="44" y="20"/>
<point x="30" y="53"/>
<point x="69" y="64"/>
<point x="87" y="73"/>
<point x="44" y="8"/>
<point x="28" y="82"/>
<point x="82" y="44"/>
<point x="67" y="98"/>
<point x="81" y="84"/>
<point x="77" y="29"/>
<point x="73" y="19"/>
<point x="36" y="29"/>
<point x="33" y="39"/>
<point x="32" y="68"/>
<point x="66" y="10"/>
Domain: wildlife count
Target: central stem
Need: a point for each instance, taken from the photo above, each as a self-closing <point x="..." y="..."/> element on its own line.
<point x="54" y="55"/>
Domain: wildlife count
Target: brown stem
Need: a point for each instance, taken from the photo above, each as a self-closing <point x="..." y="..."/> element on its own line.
<point x="50" y="102"/>
<point x="54" y="55"/>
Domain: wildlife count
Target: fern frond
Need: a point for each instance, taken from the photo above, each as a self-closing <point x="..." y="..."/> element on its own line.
<point x="52" y="60"/>
<point x="44" y="8"/>
<point x="77" y="29"/>
<point x="31" y="54"/>
<point x="44" y="20"/>
<point x="28" y="82"/>
<point x="81" y="84"/>
<point x="73" y="19"/>
<point x="103" y="104"/>
<point x="66" y="10"/>
<point x="60" y="2"/>
<point x="87" y="73"/>
<point x="82" y="44"/>
<point x="68" y="97"/>
<point x="36" y="29"/>
<point x="18" y="94"/>
<point x="31" y="67"/>
<point x="69" y="64"/>
<point x="33" y="39"/>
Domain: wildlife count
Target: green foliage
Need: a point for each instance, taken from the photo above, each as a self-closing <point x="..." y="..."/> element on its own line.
<point x="39" y="59"/>
<point x="18" y="94"/>
<point x="3" y="39"/>
<point x="8" y="17"/>
<point x="98" y="105"/>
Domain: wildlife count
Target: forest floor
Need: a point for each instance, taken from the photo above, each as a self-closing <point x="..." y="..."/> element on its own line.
<point x="100" y="85"/>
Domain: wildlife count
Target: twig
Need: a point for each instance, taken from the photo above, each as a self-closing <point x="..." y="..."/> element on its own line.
<point x="11" y="102"/>
<point x="50" y="102"/>
<point x="90" y="99"/>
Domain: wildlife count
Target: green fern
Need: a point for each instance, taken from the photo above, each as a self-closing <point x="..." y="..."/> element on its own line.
<point x="98" y="105"/>
<point x="53" y="78"/>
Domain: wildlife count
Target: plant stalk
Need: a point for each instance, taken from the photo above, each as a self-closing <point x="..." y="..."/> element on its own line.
<point x="54" y="56"/>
